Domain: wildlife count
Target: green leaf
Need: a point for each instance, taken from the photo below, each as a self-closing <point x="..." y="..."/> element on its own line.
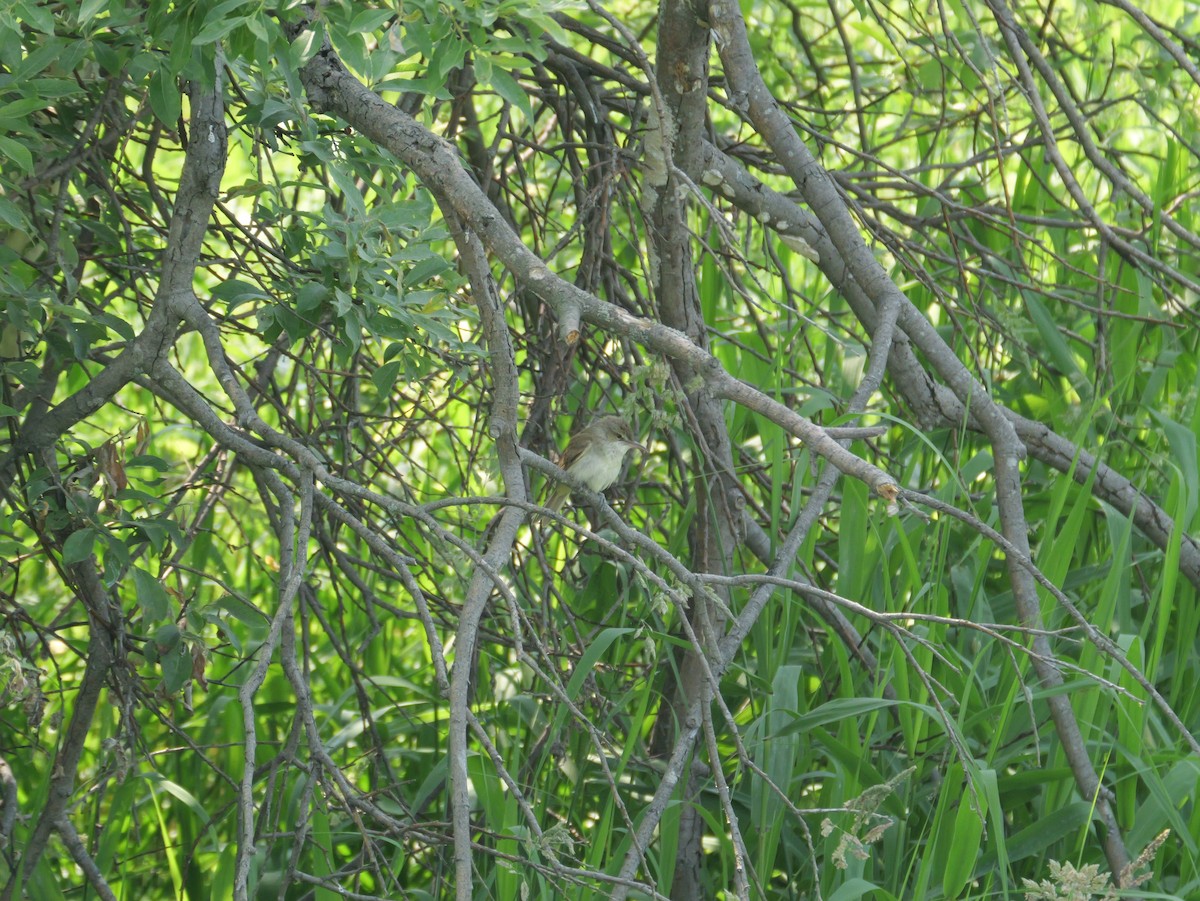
<point x="138" y="496"/>
<point x="151" y="595"/>
<point x="18" y="153"/>
<point x="350" y="190"/>
<point x="230" y="634"/>
<point x="155" y="531"/>
<point x="236" y="292"/>
<point x="310" y="297"/>
<point x="853" y="889"/>
<point x="177" y="668"/>
<point x="18" y="110"/>
<point x="219" y="22"/>
<point x="183" y="795"/>
<point x="447" y="56"/>
<point x="837" y="709"/>
<point x="150" y="460"/>
<point x="425" y="269"/>
<point x="964" y="849"/>
<point x="1053" y="343"/>
<point x="12" y="215"/>
<point x="243" y="610"/>
<point x="116" y="558"/>
<point x="508" y="88"/>
<point x="167" y="637"/>
<point x="594" y="652"/>
<point x="1047" y="829"/>
<point x="165" y="98"/>
<point x="37" y="17"/>
<point x="370" y="20"/>
<point x="306" y="45"/>
<point x="384" y="378"/>
<point x="78" y="546"/>
<point x="116" y="324"/>
<point x="89" y="9"/>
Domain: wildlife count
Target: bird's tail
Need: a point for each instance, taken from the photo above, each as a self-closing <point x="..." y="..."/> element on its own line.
<point x="554" y="504"/>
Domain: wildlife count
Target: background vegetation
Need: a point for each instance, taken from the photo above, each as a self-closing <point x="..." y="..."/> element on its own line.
<point x="300" y="304"/>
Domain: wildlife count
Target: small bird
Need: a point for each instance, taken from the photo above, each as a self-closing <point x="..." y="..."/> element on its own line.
<point x="594" y="456"/>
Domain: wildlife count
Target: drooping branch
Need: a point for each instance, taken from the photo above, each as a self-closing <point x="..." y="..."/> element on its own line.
<point x="333" y="90"/>
<point x="679" y="94"/>
<point x="502" y="427"/>
<point x="933" y="404"/>
<point x="100" y="658"/>
<point x="1019" y="45"/>
<point x="821" y="195"/>
<point x="199" y="185"/>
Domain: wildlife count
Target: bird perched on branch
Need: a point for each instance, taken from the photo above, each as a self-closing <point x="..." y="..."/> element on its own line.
<point x="594" y="456"/>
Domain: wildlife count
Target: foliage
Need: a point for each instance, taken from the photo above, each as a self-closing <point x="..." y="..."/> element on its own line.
<point x="886" y="614"/>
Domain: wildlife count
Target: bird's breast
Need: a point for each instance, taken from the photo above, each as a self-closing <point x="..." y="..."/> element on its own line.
<point x="599" y="469"/>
